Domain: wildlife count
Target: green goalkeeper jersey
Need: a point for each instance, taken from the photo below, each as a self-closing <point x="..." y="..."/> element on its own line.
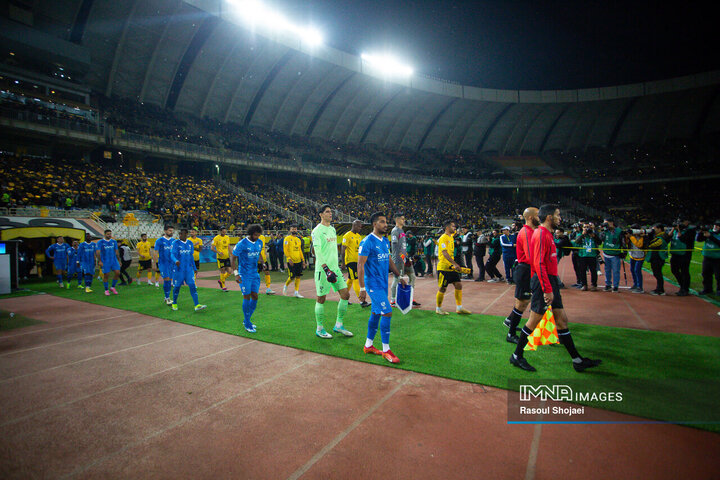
<point x="324" y="240"/>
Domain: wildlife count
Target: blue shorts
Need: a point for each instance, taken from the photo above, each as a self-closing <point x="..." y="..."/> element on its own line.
<point x="250" y="284"/>
<point x="88" y="268"/>
<point x="380" y="302"/>
<point x="166" y="269"/>
<point x="110" y="266"/>
<point x="60" y="264"/>
<point x="183" y="276"/>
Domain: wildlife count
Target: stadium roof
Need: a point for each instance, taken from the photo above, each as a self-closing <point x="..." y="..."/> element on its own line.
<point x="194" y="56"/>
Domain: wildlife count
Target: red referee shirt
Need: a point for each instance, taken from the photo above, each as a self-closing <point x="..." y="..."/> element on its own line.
<point x="544" y="257"/>
<point x="523" y="244"/>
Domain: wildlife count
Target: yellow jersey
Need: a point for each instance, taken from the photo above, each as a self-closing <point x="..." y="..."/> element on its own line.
<point x="351" y="242"/>
<point x="263" y="255"/>
<point x="446" y="243"/>
<point x="221" y="244"/>
<point x="143" y="249"/>
<point x="196" y="252"/>
<point x="292" y="248"/>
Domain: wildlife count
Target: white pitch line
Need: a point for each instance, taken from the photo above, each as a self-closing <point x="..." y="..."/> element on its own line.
<point x="182" y="421"/>
<point x="81" y="338"/>
<point x="496" y="299"/>
<point x="115" y="387"/>
<point x="101" y="356"/>
<point x="534" y="447"/>
<point x="636" y="314"/>
<point x="323" y="451"/>
<point x="68" y="326"/>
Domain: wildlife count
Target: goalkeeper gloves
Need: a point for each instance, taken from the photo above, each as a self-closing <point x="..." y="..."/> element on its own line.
<point x="331" y="276"/>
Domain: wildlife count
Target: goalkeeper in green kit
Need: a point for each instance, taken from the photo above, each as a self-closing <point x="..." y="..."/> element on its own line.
<point x="327" y="273"/>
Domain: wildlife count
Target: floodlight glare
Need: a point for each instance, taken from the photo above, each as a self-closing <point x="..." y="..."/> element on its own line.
<point x="387" y="64"/>
<point x="257" y="14"/>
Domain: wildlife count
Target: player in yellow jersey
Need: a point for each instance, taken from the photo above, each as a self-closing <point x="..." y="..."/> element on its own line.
<point x="349" y="257"/>
<point x="448" y="270"/>
<point x="145" y="260"/>
<point x="263" y="256"/>
<point x="221" y="247"/>
<point x="292" y="248"/>
<point x="198" y="243"/>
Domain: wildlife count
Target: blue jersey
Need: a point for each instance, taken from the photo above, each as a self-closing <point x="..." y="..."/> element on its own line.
<point x="86" y="253"/>
<point x="73" y="255"/>
<point x="183" y="252"/>
<point x="248" y="254"/>
<point x="508" y="244"/>
<point x="377" y="265"/>
<point x="163" y="246"/>
<point x="107" y="250"/>
<point x="59" y="251"/>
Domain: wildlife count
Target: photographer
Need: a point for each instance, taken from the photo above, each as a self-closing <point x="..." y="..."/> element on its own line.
<point x="508" y="242"/>
<point x="495" y="253"/>
<point x="612" y="238"/>
<point x="576" y="232"/>
<point x="711" y="257"/>
<point x="588" y="242"/>
<point x="635" y="240"/>
<point x="657" y="256"/>
<point x="467" y="249"/>
<point x="562" y="246"/>
<point x="429" y="250"/>
<point x="479" y="247"/>
<point x="682" y="243"/>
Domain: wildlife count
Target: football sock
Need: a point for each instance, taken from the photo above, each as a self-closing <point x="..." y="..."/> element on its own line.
<point x="253" y="306"/>
<point x="287" y="282"/>
<point x="166" y="288"/>
<point x="356" y="287"/>
<point x="458" y="298"/>
<point x="106" y="285"/>
<point x="59" y="278"/>
<point x="342" y="308"/>
<point x="319" y="315"/>
<point x="439" y="299"/>
<point x="267" y="280"/>
<point x="193" y="293"/>
<point x="385" y="330"/>
<point x="567" y="340"/>
<point x="297" y="284"/>
<point x="88" y="280"/>
<point x="176" y="292"/>
<point x="223" y="276"/>
<point x="114" y="282"/>
<point x="514" y="317"/>
<point x="386" y="347"/>
<point x="368" y="343"/>
<point x="524" y="334"/>
<point x="373" y="326"/>
<point x="247" y="313"/>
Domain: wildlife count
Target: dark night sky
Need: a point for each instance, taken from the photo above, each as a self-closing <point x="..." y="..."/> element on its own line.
<point x="522" y="44"/>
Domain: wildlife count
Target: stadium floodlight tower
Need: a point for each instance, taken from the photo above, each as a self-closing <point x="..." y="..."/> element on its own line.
<point x="386" y="65"/>
<point x="256" y="14"/>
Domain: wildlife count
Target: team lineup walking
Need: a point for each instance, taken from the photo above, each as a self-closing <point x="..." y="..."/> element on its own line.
<point x="368" y="261"/>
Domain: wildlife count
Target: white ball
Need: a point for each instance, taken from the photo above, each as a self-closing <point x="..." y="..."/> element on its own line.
<point x="12" y="314"/>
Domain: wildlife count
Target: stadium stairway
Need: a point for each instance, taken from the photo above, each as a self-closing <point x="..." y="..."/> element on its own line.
<point x="337" y="214"/>
<point x="294" y="217"/>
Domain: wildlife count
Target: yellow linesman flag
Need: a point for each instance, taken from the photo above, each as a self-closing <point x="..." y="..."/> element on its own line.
<point x="545" y="333"/>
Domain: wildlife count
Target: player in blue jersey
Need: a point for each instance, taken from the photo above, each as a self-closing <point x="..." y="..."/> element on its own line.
<point x="108" y="257"/>
<point x="184" y="261"/>
<point x="86" y="257"/>
<point x="74" y="264"/>
<point x="374" y="265"/>
<point x="163" y="248"/>
<point x="247" y="262"/>
<point x="58" y="253"/>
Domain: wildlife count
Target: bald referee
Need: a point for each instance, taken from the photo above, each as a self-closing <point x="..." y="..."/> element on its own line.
<point x="545" y="291"/>
<point x="522" y="273"/>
